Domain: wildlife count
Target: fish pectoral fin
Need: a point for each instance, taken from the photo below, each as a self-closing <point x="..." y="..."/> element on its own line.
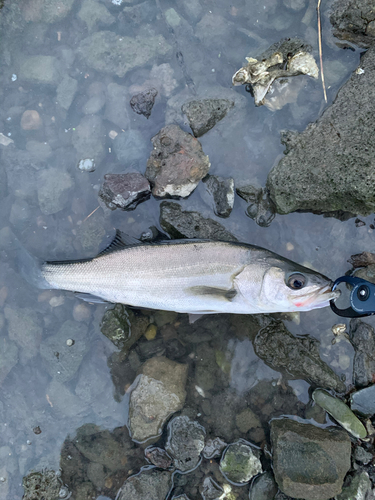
<point x="210" y="291"/>
<point x="87" y="297"/>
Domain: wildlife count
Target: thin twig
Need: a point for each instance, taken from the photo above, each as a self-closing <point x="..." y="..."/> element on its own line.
<point x="320" y="51"/>
<point x="91" y="214"/>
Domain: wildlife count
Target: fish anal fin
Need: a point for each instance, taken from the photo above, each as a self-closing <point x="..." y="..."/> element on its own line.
<point x="210" y="291"/>
<point x="87" y="297"/>
<point x="120" y="241"/>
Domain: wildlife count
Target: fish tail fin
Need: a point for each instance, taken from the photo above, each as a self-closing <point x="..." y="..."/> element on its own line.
<point x="28" y="266"/>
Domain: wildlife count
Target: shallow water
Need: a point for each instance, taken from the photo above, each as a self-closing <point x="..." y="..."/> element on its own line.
<point x="214" y="38"/>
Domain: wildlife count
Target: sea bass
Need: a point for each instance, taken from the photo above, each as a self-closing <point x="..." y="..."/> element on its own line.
<point x="189" y="276"/>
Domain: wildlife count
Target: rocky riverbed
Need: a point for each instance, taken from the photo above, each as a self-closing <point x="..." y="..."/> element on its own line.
<point x="122" y="114"/>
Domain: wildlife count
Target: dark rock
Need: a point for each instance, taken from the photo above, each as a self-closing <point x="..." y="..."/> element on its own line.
<point x="362" y="337"/>
<point x="158" y="457"/>
<point x="176" y="164"/>
<point x="363" y="401"/>
<point x="363" y="259"/>
<point x="354" y="20"/>
<point x="123" y="327"/>
<point x="261" y="208"/>
<point x="222" y="191"/>
<point x="204" y="114"/>
<point x="148" y="484"/>
<point x="297" y="357"/>
<point x="309" y="462"/>
<point x="41" y="485"/>
<point x="359" y="223"/>
<point x="213" y="448"/>
<point x="124" y="191"/>
<point x="343" y="178"/>
<point x="263" y="487"/>
<point x="175" y="349"/>
<point x="210" y="490"/>
<point x="185" y="443"/>
<point x="183" y="224"/>
<point x="143" y="102"/>
<point x="359" y="487"/>
<point x="240" y="462"/>
<point x="366" y="273"/>
<point x="362" y="456"/>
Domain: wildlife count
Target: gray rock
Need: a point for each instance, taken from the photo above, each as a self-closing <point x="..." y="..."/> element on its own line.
<point x="88" y="138"/>
<point x="185" y="442"/>
<point x="123" y="327"/>
<point x="40" y="151"/>
<point x="130" y="146"/>
<point x="55" y="187"/>
<point x="140" y="14"/>
<point x="210" y="490"/>
<point x="25" y="329"/>
<point x="94" y="104"/>
<point x="184" y="224"/>
<point x="362" y="337"/>
<point x="143" y="102"/>
<point x="8" y="357"/>
<point x="86" y="165"/>
<point x="45" y="484"/>
<point x="46" y="11"/>
<point x="362" y="456"/>
<point x="149" y="484"/>
<point x="298" y="357"/>
<point x="176" y="164"/>
<point x="213" y="448"/>
<point x="92" y="13"/>
<point x="222" y="192"/>
<point x="204" y="114"/>
<point x="343" y="134"/>
<point x="263" y="487"/>
<point x="158" y="457"/>
<point x="124" y="191"/>
<point x="159" y="391"/>
<point x="66" y="92"/>
<point x="263" y="211"/>
<point x="295" y="5"/>
<point x="43" y="70"/>
<point x="247" y="420"/>
<point x="65" y="404"/>
<point x="309" y="462"/>
<point x="240" y="462"/>
<point x="116" y="110"/>
<point x="63" y="361"/>
<point x="354" y="20"/>
<point x="363" y="401"/>
<point x="360" y="488"/>
<point x="126" y="53"/>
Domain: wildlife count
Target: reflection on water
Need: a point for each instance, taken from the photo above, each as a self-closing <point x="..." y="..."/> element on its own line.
<point x="65" y="394"/>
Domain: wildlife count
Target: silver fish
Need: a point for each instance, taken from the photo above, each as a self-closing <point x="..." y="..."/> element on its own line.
<point x="190" y="276"/>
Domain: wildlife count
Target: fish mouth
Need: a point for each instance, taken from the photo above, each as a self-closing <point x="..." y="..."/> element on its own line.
<point x="318" y="298"/>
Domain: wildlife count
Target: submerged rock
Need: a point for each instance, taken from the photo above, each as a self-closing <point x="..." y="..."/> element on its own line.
<point x="204" y="114"/>
<point x="46" y="11"/>
<point x="184" y="224"/>
<point x="66" y="92"/>
<point x="123" y="327"/>
<point x="213" y="448"/>
<point x="159" y="391"/>
<point x="309" y="462"/>
<point x="25" y="329"/>
<point x="298" y="357"/>
<point x="210" y="490"/>
<point x="340" y="412"/>
<point x="263" y="487"/>
<point x="176" y="164"/>
<point x="240" y="462"/>
<point x="8" y="357"/>
<point x="343" y="176"/>
<point x="124" y="191"/>
<point x="43" y="70"/>
<point x="55" y="187"/>
<point x="158" y="457"/>
<point x="88" y="138"/>
<point x="360" y="488"/>
<point x="354" y="20"/>
<point x="222" y="192"/>
<point x="362" y="337"/>
<point x="93" y="12"/>
<point x="148" y="484"/>
<point x="143" y="102"/>
<point x="126" y="53"/>
<point x="45" y="484"/>
<point x="363" y="401"/>
<point x="261" y="208"/>
<point x="185" y="443"/>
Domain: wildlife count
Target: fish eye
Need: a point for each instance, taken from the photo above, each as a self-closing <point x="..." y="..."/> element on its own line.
<point x="296" y="281"/>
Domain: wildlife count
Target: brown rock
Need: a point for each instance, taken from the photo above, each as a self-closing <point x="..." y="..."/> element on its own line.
<point x="31" y="120"/>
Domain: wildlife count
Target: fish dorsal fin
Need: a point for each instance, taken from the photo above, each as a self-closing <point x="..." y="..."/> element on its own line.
<point x="119" y="242"/>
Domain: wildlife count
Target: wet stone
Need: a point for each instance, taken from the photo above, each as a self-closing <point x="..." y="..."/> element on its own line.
<point x="210" y="490"/>
<point x="66" y="92"/>
<point x="240" y="462"/>
<point x="213" y="448"/>
<point x="176" y="164"/>
<point x="44" y="484"/>
<point x="247" y="420"/>
<point x="158" y="457"/>
<point x="362" y="337"/>
<point x="117" y="103"/>
<point x="147" y="485"/>
<point x="158" y="392"/>
<point x="263" y="487"/>
<point x="92" y="13"/>
<point x="88" y="138"/>
<point x="124" y="191"/>
<point x="54" y="190"/>
<point x="309" y="462"/>
<point x="297" y="357"/>
<point x="263" y="211"/>
<point x="360" y="488"/>
<point x="185" y="442"/>
<point x="123" y="327"/>
<point x="8" y="357"/>
<point x="362" y="456"/>
<point x="143" y="102"/>
<point x="351" y="21"/>
<point x="46" y="11"/>
<point x="43" y="70"/>
<point x="363" y="401"/>
<point x="204" y="114"/>
<point x="185" y="224"/>
<point x="87" y="165"/>
<point x="130" y="146"/>
<point x="25" y="329"/>
<point x="31" y="120"/>
<point x="222" y="192"/>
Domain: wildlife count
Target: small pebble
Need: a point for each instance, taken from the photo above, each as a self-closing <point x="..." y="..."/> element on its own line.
<point x="289" y="247"/>
<point x="31" y="120"/>
<point x="339" y="329"/>
<point x="64" y="492"/>
<point x="37" y="430"/>
<point x="14" y="77"/>
<point x="70" y="342"/>
<point x="151" y="332"/>
<point x="87" y="165"/>
<point x="28" y="442"/>
<point x="81" y="312"/>
<point x="2" y="479"/>
<point x="112" y="134"/>
<point x="57" y="301"/>
<point x="359" y="223"/>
